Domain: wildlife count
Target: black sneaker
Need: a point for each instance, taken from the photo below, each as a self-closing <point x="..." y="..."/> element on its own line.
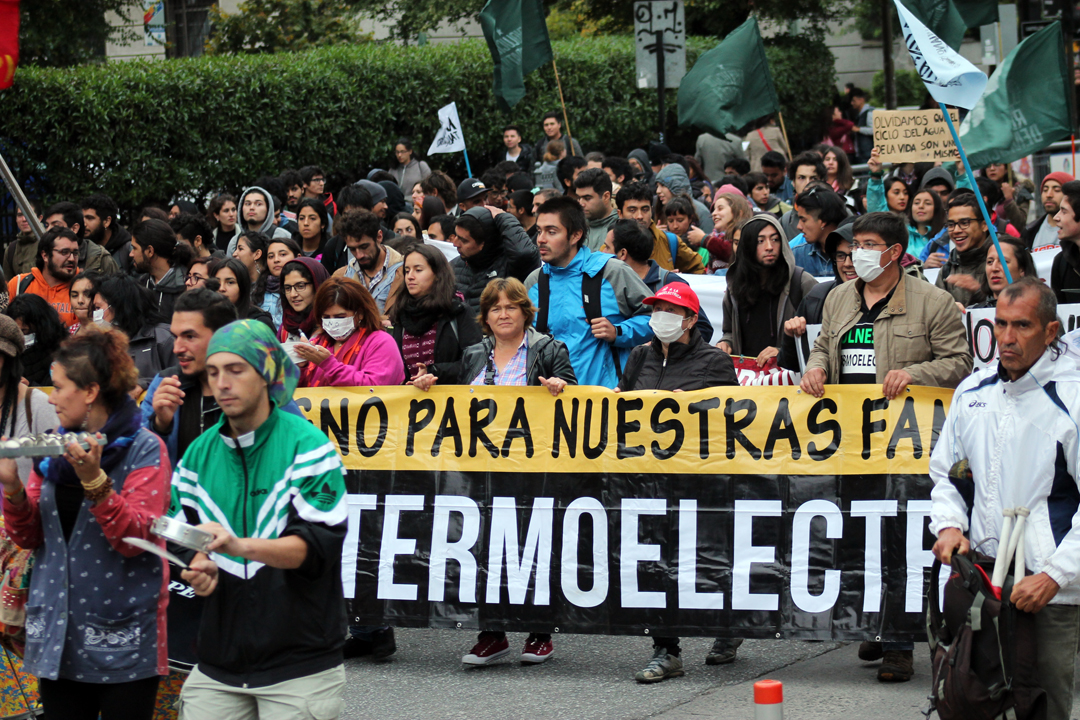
<point x="383" y="645"/>
<point x="898" y="666"/>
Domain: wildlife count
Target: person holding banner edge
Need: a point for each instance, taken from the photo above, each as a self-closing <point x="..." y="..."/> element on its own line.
<point x="890" y="328"/>
<point x="678" y="359"/>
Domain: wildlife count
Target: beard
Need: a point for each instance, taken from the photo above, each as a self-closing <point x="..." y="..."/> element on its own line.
<point x="63" y="271"/>
<point x="98" y="236"/>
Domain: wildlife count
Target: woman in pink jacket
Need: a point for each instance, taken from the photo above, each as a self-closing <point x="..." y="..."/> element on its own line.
<point x="349" y="348"/>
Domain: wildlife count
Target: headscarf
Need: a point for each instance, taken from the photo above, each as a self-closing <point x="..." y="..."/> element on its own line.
<point x="674" y="178"/>
<point x="291" y="321"/>
<point x="395" y="198"/>
<point x="119" y="433"/>
<point x="254" y="341"/>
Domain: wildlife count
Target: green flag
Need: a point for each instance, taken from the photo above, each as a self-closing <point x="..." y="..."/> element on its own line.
<point x="730" y="85"/>
<point x="1023" y="108"/>
<point x="517" y="36"/>
<point x="940" y="17"/>
<point x="977" y="13"/>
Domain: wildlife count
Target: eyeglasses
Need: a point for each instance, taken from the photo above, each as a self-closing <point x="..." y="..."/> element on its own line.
<point x="963" y="223"/>
<point x="195" y="278"/>
<point x="297" y="288"/>
<point x="867" y="246"/>
<point x="66" y="253"/>
<point x="841" y="257"/>
<point x="318" y="180"/>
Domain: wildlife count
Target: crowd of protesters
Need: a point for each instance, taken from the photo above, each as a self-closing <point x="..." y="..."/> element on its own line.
<point x="183" y="333"/>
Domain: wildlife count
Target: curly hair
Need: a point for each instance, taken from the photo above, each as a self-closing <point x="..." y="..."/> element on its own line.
<point x="97" y="357"/>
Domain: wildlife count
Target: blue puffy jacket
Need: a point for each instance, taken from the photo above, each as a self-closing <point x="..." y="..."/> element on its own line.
<point x="621" y="303"/>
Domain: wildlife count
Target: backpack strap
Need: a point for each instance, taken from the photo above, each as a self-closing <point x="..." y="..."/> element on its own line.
<point x="795" y="292"/>
<point x="29" y="413"/>
<point x="543" y="296"/>
<point x="24" y="283"/>
<point x="591" y="291"/>
<point x="673" y="243"/>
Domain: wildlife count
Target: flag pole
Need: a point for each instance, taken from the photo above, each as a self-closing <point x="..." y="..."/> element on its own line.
<point x="975" y="186"/>
<point x="1073" y="153"/>
<point x="784" y="130"/>
<point x="468" y="170"/>
<point x="566" y="121"/>
<point x="20" y="199"/>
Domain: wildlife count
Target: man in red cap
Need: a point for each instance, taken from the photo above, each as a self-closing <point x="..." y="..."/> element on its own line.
<point x="1044" y="231"/>
<point x="677" y="359"/>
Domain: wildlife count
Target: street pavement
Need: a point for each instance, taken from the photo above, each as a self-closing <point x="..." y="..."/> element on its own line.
<point x="590" y="677"/>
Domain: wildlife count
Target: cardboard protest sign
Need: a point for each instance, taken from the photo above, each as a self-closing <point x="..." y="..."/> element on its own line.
<point x="914" y="136"/>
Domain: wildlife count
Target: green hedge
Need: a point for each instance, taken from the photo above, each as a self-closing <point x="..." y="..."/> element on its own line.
<point x="143" y="131"/>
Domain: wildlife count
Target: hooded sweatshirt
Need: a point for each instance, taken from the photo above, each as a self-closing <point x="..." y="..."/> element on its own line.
<point x="20" y="255"/>
<point x="642" y="157"/>
<point x="119" y="246"/>
<point x="675" y="179"/>
<point x="268" y="228"/>
<point x="785" y="305"/>
<point x="507" y="252"/>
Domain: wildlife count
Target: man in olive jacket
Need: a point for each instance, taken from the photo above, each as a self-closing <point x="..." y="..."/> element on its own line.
<point x="890" y="328"/>
<point x="887" y="327"/>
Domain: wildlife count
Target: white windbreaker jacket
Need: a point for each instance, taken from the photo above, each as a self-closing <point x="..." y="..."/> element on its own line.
<point x="1022" y="440"/>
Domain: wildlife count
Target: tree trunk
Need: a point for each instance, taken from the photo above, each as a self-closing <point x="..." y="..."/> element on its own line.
<point x="887" y="53"/>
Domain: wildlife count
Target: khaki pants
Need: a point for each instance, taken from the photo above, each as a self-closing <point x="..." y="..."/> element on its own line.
<point x="313" y="697"/>
<point x="1057" y="629"/>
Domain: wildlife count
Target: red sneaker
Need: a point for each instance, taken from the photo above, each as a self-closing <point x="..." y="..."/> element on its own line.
<point x="536" y="652"/>
<point x="487" y="650"/>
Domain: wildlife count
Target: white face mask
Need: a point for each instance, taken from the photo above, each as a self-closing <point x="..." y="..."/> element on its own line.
<point x="99" y="316"/>
<point x="339" y="328"/>
<point x="868" y="263"/>
<point x="29" y="340"/>
<point x="666" y="326"/>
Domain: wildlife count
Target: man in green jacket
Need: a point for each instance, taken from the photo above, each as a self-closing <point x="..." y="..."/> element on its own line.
<point x="271" y="489"/>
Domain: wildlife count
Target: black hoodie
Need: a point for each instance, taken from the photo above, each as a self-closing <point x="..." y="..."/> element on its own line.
<point x="507" y="252"/>
<point x="119" y="246"/>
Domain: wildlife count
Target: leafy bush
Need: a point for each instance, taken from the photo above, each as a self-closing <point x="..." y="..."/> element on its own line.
<point x="143" y="131"/>
<point x="910" y="89"/>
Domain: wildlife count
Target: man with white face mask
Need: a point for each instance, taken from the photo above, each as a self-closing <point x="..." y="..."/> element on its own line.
<point x="677" y="359"/>
<point x="892" y="329"/>
<point x="887" y="327"/>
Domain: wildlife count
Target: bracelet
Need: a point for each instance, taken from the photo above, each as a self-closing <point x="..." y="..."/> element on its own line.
<point x="98" y="489"/>
<point x="10" y="497"/>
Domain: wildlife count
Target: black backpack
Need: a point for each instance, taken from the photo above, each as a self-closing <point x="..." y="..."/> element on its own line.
<point x="983" y="650"/>
<point x="591" y="287"/>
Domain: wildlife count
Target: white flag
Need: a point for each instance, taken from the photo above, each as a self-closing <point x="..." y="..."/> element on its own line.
<point x="949" y="78"/>
<point x="450" y="137"/>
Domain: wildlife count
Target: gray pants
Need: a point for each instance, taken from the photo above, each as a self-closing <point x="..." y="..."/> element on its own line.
<point x="313" y="696"/>
<point x="1058" y="631"/>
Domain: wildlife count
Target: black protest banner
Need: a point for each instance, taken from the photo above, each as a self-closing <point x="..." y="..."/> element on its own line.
<point x="749" y="512"/>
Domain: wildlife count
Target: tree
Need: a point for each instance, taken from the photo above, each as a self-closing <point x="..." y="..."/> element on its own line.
<point x="266" y="26"/>
<point x="63" y="33"/>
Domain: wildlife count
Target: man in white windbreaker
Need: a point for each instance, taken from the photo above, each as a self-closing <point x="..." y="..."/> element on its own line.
<point x="1016" y="424"/>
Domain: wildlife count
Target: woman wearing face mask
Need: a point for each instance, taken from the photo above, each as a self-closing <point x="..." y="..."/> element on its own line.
<point x="120" y="302"/>
<point x="1020" y="263"/>
<point x="677" y="359"/>
<point x="349" y="347"/>
<point x="43" y="332"/>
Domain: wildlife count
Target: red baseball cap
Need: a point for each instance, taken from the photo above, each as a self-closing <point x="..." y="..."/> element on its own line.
<point x="676" y="293"/>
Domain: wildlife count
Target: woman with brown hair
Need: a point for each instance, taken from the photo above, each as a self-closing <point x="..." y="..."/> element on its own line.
<point x="94" y="651"/>
<point x="349" y="347"/>
<point x="730" y="211"/>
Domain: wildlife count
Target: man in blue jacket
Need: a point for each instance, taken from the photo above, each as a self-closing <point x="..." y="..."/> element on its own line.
<point x="590" y="301"/>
